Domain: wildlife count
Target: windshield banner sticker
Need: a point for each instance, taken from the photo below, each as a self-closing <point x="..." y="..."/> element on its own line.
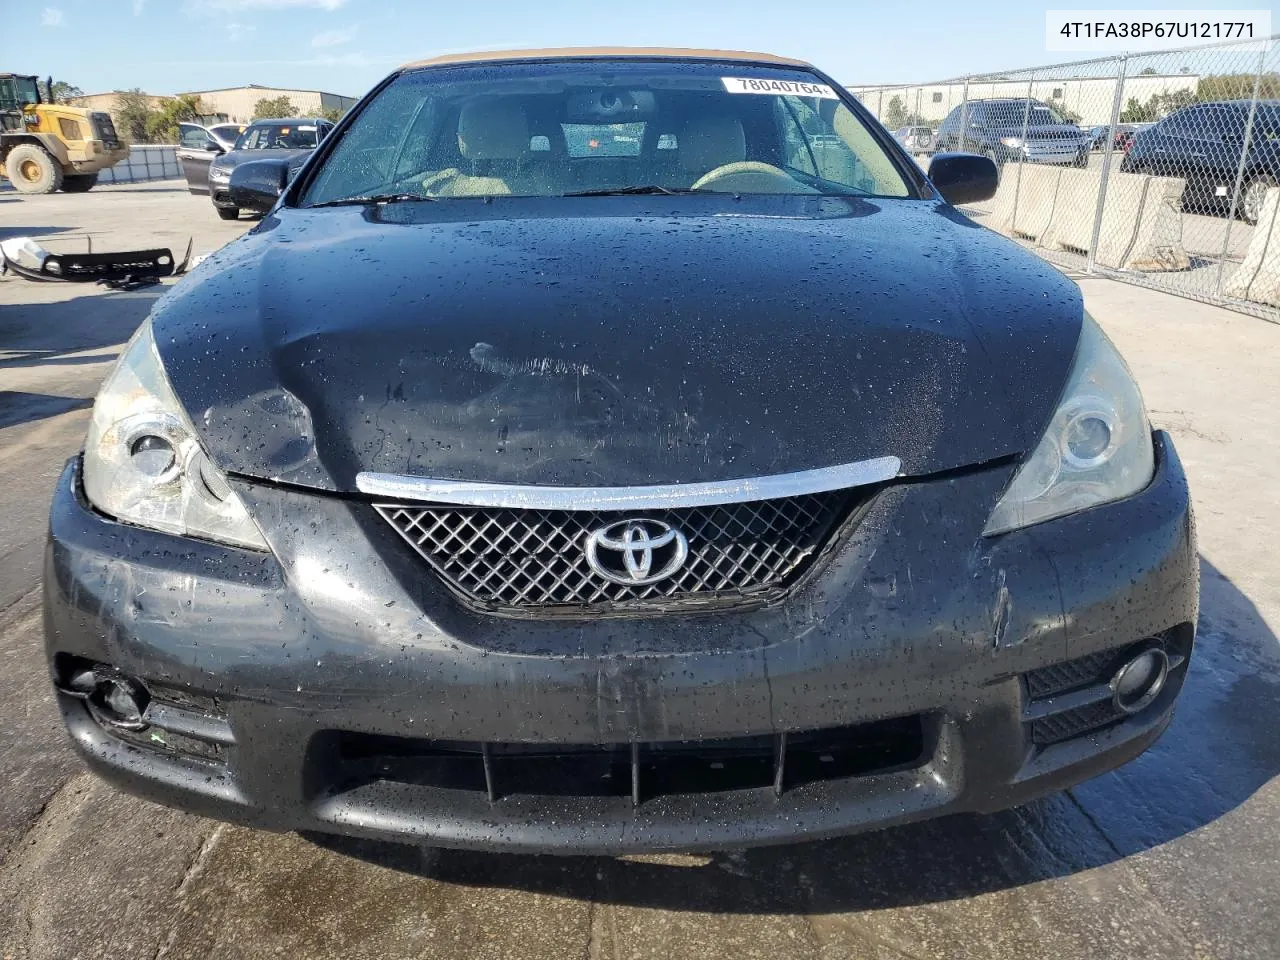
<point x="774" y="87"/>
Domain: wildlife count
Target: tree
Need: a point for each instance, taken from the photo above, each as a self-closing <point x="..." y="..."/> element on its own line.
<point x="1147" y="72"/>
<point x="1238" y="86"/>
<point x="1135" y="112"/>
<point x="162" y="124"/>
<point x="132" y="110"/>
<point x="1157" y="107"/>
<point x="1068" y="114"/>
<point x="268" y="108"/>
<point x="894" y="114"/>
<point x="334" y="114"/>
<point x="63" y="92"/>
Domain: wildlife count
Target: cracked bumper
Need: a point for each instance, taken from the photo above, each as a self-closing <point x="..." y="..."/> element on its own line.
<point x="338" y="631"/>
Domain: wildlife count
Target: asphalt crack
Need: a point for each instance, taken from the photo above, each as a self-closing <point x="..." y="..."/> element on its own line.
<point x="196" y="867"/>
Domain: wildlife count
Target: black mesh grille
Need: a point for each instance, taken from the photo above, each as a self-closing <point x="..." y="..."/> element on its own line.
<point x="641" y="771"/>
<point x="104" y="128"/>
<point x="1063" y="726"/>
<point x="1061" y="677"/>
<point x="509" y="559"/>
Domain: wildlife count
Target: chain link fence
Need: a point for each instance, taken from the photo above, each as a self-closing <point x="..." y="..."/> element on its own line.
<point x="1158" y="168"/>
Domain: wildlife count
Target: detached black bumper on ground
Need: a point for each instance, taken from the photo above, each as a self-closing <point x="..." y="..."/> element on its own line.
<point x="336" y="685"/>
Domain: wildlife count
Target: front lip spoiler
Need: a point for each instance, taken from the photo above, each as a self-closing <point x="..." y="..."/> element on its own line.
<point x="28" y="259"/>
<point x="656" y="497"/>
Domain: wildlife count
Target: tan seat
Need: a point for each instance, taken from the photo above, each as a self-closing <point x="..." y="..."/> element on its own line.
<point x="493" y="137"/>
<point x="709" y="142"/>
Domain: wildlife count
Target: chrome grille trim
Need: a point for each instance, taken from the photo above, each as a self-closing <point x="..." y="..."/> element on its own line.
<point x="659" y="497"/>
<point x="533" y="562"/>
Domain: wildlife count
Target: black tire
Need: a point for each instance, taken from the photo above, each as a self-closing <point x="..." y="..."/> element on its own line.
<point x="1082" y="159"/>
<point x="79" y="183"/>
<point x="1252" y="197"/>
<point x="31" y="170"/>
<point x="924" y="141"/>
<point x="228" y="213"/>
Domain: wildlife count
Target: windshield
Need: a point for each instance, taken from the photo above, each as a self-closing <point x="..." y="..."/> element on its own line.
<point x="228" y="131"/>
<point x="278" y="136"/>
<point x="1011" y="114"/>
<point x="27" y="90"/>
<point x="573" y="127"/>
<point x="17" y="91"/>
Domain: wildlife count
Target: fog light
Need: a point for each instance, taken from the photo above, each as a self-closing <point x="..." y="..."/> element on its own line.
<point x="118" y="701"/>
<point x="1140" y="680"/>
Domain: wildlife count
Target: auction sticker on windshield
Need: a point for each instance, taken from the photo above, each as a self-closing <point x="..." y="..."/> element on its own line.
<point x="793" y="88"/>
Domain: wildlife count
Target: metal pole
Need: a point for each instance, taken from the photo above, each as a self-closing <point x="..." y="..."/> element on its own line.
<point x="880" y="106"/>
<point x="1244" y="158"/>
<point x="1106" y="166"/>
<point x="964" y="115"/>
<point x="1026" y="118"/>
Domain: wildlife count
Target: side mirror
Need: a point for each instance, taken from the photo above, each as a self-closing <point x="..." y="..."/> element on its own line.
<point x="214" y="147"/>
<point x="959" y="177"/>
<point x="257" y="184"/>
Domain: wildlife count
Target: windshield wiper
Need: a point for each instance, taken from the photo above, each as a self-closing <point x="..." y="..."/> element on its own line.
<point x="640" y="189"/>
<point x="376" y="198"/>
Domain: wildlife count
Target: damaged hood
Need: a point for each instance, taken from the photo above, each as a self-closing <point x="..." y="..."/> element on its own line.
<point x="616" y="341"/>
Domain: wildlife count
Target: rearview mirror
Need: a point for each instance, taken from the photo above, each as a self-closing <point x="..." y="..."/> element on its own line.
<point x="257" y="184"/>
<point x="959" y="177"/>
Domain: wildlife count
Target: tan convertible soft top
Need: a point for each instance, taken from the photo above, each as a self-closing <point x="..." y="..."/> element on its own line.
<point x="572" y="53"/>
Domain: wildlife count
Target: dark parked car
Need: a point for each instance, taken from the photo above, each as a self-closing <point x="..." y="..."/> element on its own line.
<point x="291" y="139"/>
<point x="695" y="489"/>
<point x="995" y="128"/>
<point x="199" y="146"/>
<point x="1204" y="144"/>
<point x="1123" y="134"/>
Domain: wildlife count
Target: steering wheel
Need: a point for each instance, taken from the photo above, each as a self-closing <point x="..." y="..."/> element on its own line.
<point x="743" y="168"/>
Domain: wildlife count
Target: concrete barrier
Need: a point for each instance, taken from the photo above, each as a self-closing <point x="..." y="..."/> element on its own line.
<point x="1258" y="276"/>
<point x="1055" y="207"/>
<point x="1141" y="226"/>
<point x="1025" y="200"/>
<point x="146" y="161"/>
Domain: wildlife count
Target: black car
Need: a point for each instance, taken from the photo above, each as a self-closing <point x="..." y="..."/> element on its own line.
<point x="1205" y="145"/>
<point x="578" y="458"/>
<point x="1012" y="130"/>
<point x="291" y="139"/>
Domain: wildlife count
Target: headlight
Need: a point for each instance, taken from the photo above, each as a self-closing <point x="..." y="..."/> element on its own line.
<point x="1097" y="447"/>
<point x="143" y="463"/>
<point x="219" y="174"/>
<point x="1014" y="142"/>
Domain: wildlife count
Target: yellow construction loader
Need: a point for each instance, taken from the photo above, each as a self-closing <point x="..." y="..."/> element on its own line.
<point x="47" y="146"/>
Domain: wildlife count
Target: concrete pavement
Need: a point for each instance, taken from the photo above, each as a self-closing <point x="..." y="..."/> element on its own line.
<point x="1174" y="856"/>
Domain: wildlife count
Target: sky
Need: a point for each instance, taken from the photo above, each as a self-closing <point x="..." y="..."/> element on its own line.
<point x="346" y="46"/>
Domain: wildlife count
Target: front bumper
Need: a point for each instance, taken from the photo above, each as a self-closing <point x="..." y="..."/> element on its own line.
<point x="220" y="193"/>
<point x="99" y="156"/>
<point x="268" y="666"/>
<point x="1044" y="151"/>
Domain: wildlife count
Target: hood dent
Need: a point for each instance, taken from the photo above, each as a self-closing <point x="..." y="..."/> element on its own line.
<point x="616" y="350"/>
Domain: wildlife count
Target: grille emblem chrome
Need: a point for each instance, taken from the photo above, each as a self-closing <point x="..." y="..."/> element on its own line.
<point x="632" y="545"/>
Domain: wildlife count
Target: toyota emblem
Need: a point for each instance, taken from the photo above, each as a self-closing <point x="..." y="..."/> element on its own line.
<point x="627" y="551"/>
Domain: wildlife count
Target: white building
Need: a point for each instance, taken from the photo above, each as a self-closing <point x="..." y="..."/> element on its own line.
<point x="1090" y="98"/>
<point x="237" y="103"/>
